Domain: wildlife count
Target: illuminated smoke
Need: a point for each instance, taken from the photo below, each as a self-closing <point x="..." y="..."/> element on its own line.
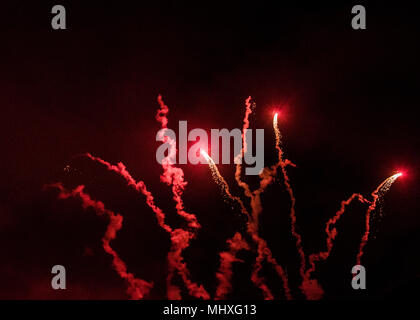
<point x="139" y="186"/>
<point x="218" y="178"/>
<point x="264" y="253"/>
<point x="310" y="287"/>
<point x="227" y="258"/>
<point x="266" y="178"/>
<point x="180" y="238"/>
<point x="172" y="175"/>
<point x="283" y="164"/>
<point x="239" y="157"/>
<point x="137" y="288"/>
<point x="376" y="195"/>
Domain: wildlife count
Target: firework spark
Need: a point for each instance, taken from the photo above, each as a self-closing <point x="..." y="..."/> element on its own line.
<point x="310" y="287"/>
<point x="266" y="178"/>
<point x="218" y="178"/>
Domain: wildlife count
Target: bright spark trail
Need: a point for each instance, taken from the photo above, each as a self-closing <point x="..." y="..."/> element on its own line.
<point x="251" y="241"/>
<point x="376" y="195"/>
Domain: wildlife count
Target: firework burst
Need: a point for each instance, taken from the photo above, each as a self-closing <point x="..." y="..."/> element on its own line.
<point x="181" y="238"/>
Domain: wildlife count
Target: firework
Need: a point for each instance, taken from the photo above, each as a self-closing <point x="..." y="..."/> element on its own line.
<point x="376" y="195"/>
<point x="250" y="206"/>
<point x="266" y="178"/>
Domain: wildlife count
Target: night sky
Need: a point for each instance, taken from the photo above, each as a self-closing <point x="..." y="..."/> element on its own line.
<point x="349" y="102"/>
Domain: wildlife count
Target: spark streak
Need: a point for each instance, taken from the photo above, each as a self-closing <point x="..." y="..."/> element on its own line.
<point x="266" y="178"/>
<point x="376" y="195"/>
<point x="311" y="286"/>
<point x="218" y="178"/>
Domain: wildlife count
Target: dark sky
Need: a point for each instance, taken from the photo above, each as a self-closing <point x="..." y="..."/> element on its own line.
<point x="350" y="97"/>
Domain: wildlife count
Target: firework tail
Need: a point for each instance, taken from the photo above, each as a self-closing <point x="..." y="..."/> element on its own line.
<point x="173" y="176"/>
<point x="310" y="287"/>
<point x="264" y="252"/>
<point x="180" y="238"/>
<point x="376" y="195"/>
<point x="239" y="157"/>
<point x="266" y="178"/>
<point x="283" y="163"/>
<point x="221" y="182"/>
<point x="224" y="274"/>
<point x="227" y="258"/>
<point x="226" y="271"/>
<point x="137" y="288"/>
<point x="139" y="186"/>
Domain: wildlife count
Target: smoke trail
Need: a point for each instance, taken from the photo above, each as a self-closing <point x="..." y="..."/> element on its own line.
<point x="283" y="164"/>
<point x="121" y="169"/>
<point x="180" y="238"/>
<point x="172" y="175"/>
<point x="227" y="258"/>
<point x="239" y="157"/>
<point x="310" y="287"/>
<point x="137" y="288"/>
<point x="224" y="275"/>
<point x="376" y="195"/>
<point x="266" y="178"/>
<point x="258" y="280"/>
<point x="263" y="251"/>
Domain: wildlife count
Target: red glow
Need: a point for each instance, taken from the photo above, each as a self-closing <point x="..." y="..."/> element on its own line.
<point x="277" y="113"/>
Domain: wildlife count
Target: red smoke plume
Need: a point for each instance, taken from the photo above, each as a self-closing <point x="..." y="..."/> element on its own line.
<point x="180" y="238"/>
<point x="137" y="288"/>
<point x="310" y="287"/>
<point x="227" y="258"/>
